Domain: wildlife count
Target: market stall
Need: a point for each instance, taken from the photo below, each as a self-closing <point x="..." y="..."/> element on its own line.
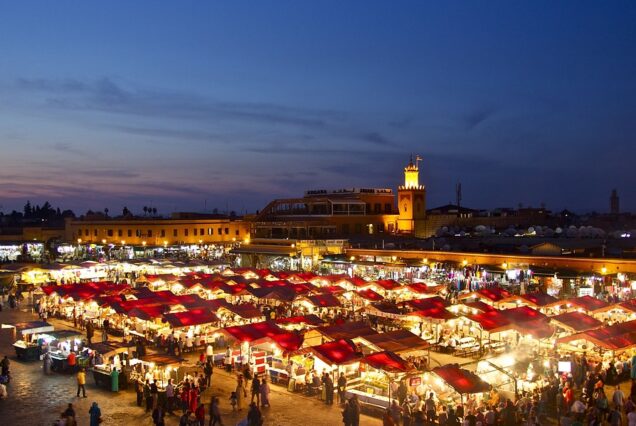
<point x="458" y="381"/>
<point x="60" y="345"/>
<point x="27" y="346"/>
<point x="110" y="356"/>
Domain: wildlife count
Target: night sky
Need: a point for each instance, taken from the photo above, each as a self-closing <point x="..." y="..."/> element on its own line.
<point x="187" y="105"/>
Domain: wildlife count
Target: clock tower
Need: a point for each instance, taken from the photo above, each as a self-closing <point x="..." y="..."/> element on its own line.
<point x="411" y="200"/>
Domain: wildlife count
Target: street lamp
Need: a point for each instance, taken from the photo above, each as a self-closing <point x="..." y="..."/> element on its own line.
<point x="504" y="265"/>
<point x="103" y="241"/>
<point x="79" y="241"/>
<point x="143" y="243"/>
<point x="464" y="262"/>
<point x="603" y="270"/>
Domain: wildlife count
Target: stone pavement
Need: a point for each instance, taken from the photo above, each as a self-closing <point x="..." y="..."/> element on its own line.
<point x="36" y="399"/>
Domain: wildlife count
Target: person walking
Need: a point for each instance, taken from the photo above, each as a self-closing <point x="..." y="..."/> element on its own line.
<point x="208" y="370"/>
<point x="147" y="395"/>
<point x="200" y="413"/>
<point x="254" y="416"/>
<point x="47" y="363"/>
<point x="89" y="332"/>
<point x="158" y="415"/>
<point x="342" y="387"/>
<point x="114" y="380"/>
<point x="429" y="406"/>
<point x="95" y="415"/>
<point x="215" y="412"/>
<point x="241" y="392"/>
<point x="256" y="390"/>
<point x="170" y="396"/>
<point x="139" y="389"/>
<point x="329" y="389"/>
<point x="264" y="393"/>
<point x="81" y="382"/>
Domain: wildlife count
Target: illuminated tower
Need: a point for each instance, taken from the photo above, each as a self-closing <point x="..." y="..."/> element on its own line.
<point x="411" y="199"/>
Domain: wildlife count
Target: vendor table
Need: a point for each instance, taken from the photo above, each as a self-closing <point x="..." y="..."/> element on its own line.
<point x="27" y="352"/>
<point x="103" y="379"/>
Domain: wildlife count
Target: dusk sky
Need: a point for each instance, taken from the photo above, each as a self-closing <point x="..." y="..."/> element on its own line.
<point x="112" y="104"/>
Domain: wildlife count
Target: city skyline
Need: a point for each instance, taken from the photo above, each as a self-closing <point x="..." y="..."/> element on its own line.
<point x="231" y="106"/>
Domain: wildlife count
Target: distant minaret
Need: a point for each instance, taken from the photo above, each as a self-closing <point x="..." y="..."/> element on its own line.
<point x="411" y="199"/>
<point x="614" y="203"/>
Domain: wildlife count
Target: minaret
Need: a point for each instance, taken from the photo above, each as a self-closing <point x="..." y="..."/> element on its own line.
<point x="614" y="203"/>
<point x="411" y="199"/>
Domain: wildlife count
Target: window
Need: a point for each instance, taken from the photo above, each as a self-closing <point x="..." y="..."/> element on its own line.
<point x="119" y="233"/>
<point x="210" y="231"/>
<point x="377" y="208"/>
<point x="236" y="232"/>
<point x="110" y="233"/>
<point x="150" y="232"/>
<point x="387" y="208"/>
<point x="201" y="231"/>
<point x="185" y="232"/>
<point x="358" y="228"/>
<point x="86" y="232"/>
<point x="138" y="232"/>
<point x="95" y="232"/>
<point x="174" y="233"/>
<point x="130" y="232"/>
<point x="194" y="231"/>
<point x="220" y="231"/>
<point x="163" y="232"/>
<point x="227" y="231"/>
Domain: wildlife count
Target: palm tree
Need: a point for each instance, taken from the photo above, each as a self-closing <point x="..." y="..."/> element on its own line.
<point x="145" y="210"/>
<point x="154" y="211"/>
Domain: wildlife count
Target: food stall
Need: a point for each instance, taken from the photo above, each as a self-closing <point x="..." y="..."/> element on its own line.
<point x="378" y="372"/>
<point x="27" y="348"/>
<point x="453" y="381"/>
<point x="160" y="369"/>
<point x="60" y="344"/>
<point x="112" y="355"/>
<point x="516" y="372"/>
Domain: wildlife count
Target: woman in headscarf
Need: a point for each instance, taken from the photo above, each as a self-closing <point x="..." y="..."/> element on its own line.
<point x="95" y="414"/>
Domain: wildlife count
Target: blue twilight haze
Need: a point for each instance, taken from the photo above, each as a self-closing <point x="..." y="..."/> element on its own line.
<point x="185" y="105"/>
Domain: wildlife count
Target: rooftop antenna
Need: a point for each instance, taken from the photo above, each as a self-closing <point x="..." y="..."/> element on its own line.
<point x="417" y="161"/>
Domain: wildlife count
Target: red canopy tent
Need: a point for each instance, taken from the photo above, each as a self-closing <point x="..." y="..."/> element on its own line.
<point x="434" y="313"/>
<point x="369" y="294"/>
<point x="311" y="319"/>
<point x="427" y="303"/>
<point x="389" y="362"/>
<point x="325" y="300"/>
<point x="257" y="332"/>
<point x="338" y="352"/>
<point x="576" y="321"/>
<point x="388" y="285"/>
<point x="540" y="300"/>
<point x="589" y="304"/>
<point x="463" y="381"/>
<point x="422" y="288"/>
<point x="615" y="337"/>
<point x="188" y="318"/>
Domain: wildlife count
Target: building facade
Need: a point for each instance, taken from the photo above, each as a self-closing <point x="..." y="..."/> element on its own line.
<point x="157" y="231"/>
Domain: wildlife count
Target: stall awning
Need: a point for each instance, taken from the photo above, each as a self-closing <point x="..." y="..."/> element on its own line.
<point x="110" y="348"/>
<point x="389" y="362"/>
<point x="64" y="334"/>
<point x="369" y="294"/>
<point x="311" y="319"/>
<point x="615" y="337"/>
<point x="588" y="304"/>
<point x="31" y="327"/>
<point x="433" y="313"/>
<point x="422" y="288"/>
<point x="576" y="321"/>
<point x="245" y="311"/>
<point x="162" y="360"/>
<point x="338" y="352"/>
<point x="258" y="332"/>
<point x="388" y="284"/>
<point x="463" y="381"/>
<point x="493" y="294"/>
<point x="325" y="300"/>
<point x="427" y="303"/>
<point x="398" y="341"/>
<point x="491" y="321"/>
<point x="540" y="300"/>
<point x="346" y="330"/>
<point x="188" y="318"/>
